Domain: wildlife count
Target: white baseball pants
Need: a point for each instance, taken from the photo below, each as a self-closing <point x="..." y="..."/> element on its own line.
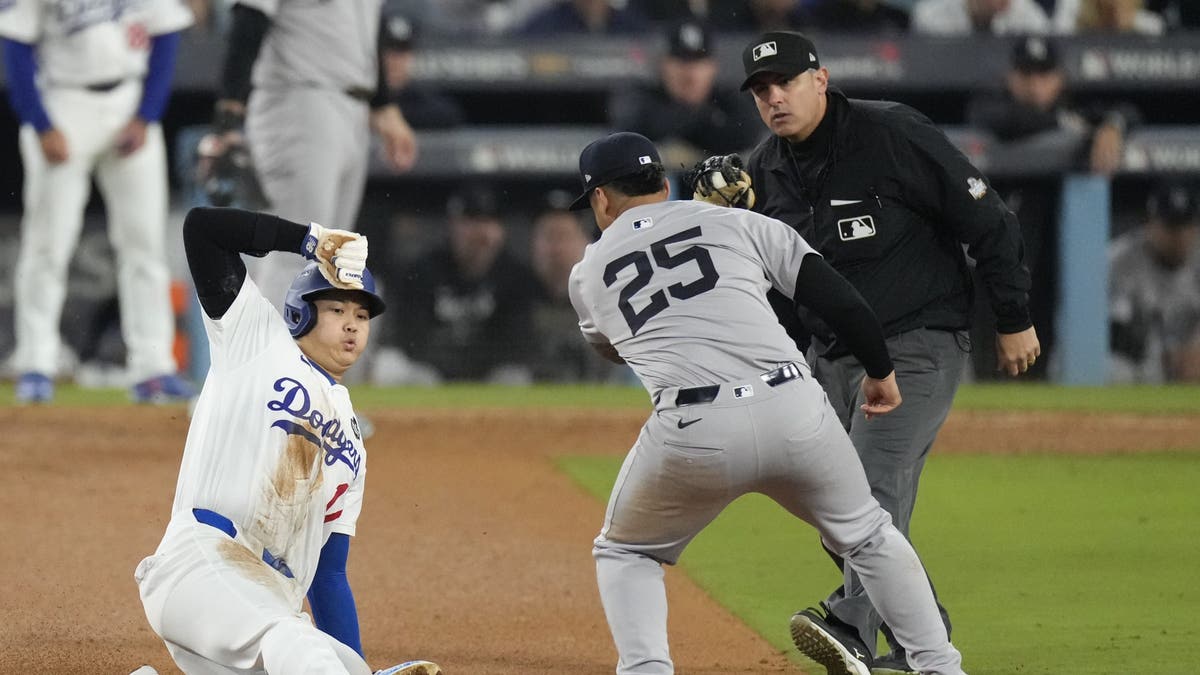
<point x="135" y="198"/>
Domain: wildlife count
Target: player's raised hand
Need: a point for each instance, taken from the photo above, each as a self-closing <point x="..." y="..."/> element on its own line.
<point x="341" y="255"/>
<point x="54" y="146"/>
<point x="880" y="397"/>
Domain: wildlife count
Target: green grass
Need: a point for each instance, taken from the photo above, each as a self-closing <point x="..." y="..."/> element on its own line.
<point x="1049" y="564"/>
<point x="1008" y="396"/>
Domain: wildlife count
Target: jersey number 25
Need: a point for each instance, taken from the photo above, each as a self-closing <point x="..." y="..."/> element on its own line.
<point x="645" y="270"/>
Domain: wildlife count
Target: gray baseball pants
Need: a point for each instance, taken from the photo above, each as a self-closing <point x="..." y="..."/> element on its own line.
<point x="929" y="365"/>
<point x="310" y="148"/>
<point x="785" y="442"/>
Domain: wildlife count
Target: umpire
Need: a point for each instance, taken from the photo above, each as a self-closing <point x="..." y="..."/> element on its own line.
<point x="889" y="202"/>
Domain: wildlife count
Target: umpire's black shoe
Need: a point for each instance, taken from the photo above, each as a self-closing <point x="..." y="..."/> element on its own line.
<point x="892" y="663"/>
<point x="830" y="642"/>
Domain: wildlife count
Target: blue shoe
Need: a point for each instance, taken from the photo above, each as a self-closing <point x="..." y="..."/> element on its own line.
<point x="162" y="389"/>
<point x="34" y="388"/>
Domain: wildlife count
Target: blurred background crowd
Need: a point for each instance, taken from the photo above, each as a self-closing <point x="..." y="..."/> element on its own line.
<point x="474" y="245"/>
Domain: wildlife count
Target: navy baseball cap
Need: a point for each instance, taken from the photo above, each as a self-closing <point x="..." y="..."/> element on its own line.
<point x="399" y="32"/>
<point x="785" y="52"/>
<point x="607" y="159"/>
<point x="1174" y="203"/>
<point x="690" y="41"/>
<point x="1034" y="54"/>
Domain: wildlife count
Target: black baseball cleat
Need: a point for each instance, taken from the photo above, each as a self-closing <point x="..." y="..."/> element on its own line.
<point x="830" y="642"/>
<point x="892" y="663"/>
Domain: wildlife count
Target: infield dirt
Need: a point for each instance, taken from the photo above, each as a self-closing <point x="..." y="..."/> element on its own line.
<point x="473" y="549"/>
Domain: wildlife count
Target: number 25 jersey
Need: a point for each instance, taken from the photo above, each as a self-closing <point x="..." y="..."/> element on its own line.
<point x="679" y="288"/>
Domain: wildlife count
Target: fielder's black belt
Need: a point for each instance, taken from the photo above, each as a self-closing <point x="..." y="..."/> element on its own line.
<point x="101" y="87"/>
<point x="214" y="519"/>
<point x="360" y="93"/>
<point x="773" y="378"/>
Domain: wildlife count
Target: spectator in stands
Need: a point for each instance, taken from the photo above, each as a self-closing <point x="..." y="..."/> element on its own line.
<point x="964" y="17"/>
<point x="686" y="105"/>
<point x="750" y="16"/>
<point x="558" y="354"/>
<point x="466" y="304"/>
<point x="1177" y="14"/>
<point x="598" y="17"/>
<point x="1035" y="101"/>
<point x="1033" y="107"/>
<point x="853" y="16"/>
<point x="423" y="107"/>
<point x="1118" y="16"/>
<point x="1063" y="14"/>
<point x="1152" y="275"/>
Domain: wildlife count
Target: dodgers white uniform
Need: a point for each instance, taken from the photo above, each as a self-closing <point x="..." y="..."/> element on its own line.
<point x="308" y="120"/>
<point x="274" y="448"/>
<point x="81" y="45"/>
<point x="679" y="289"/>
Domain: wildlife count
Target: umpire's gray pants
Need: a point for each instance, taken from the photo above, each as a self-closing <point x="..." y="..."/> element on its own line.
<point x="893" y="448"/>
<point x="691" y="461"/>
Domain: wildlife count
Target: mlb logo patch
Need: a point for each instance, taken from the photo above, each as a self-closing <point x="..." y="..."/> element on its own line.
<point x="643" y="223"/>
<point x="743" y="391"/>
<point x="764" y="50"/>
<point x="859" y="227"/>
<point x="644" y="159"/>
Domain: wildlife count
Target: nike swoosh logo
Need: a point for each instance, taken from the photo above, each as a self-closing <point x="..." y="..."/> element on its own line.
<point x="844" y="202"/>
<point x="684" y="425"/>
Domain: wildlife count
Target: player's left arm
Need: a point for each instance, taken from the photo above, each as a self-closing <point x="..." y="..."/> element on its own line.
<point x="387" y="120"/>
<point x="943" y="184"/>
<point x="330" y="597"/>
<point x="155" y="91"/>
<point x="587" y="325"/>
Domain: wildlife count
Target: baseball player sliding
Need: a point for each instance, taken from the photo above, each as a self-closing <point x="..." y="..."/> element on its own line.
<point x="89" y="82"/>
<point x="271" y="483"/>
<point x="678" y="290"/>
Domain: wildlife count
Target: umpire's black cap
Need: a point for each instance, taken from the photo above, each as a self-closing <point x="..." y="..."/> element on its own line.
<point x="1173" y="203"/>
<point x="606" y="159"/>
<point x="1034" y="54"/>
<point x="784" y="52"/>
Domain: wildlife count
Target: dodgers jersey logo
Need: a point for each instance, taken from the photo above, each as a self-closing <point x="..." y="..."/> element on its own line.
<point x="296" y="402"/>
<point x="76" y="15"/>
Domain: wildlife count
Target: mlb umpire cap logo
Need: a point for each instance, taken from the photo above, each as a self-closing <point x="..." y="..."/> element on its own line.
<point x="859" y="227"/>
<point x="764" y="50"/>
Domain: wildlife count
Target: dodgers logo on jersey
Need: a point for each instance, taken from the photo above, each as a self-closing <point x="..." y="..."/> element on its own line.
<point x="76" y="15"/>
<point x="296" y="401"/>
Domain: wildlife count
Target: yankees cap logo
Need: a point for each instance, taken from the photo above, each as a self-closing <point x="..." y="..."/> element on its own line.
<point x="764" y="50"/>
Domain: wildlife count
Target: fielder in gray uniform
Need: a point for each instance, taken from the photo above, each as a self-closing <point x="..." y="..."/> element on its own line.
<point x="303" y="76"/>
<point x="677" y="290"/>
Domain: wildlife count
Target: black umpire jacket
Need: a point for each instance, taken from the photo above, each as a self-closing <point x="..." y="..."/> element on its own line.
<point x="889" y="202"/>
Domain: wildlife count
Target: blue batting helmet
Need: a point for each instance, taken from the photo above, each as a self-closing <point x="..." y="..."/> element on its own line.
<point x="300" y="314"/>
